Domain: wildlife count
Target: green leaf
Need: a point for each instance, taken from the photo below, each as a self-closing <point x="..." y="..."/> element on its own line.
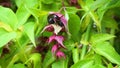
<point x="75" y="55"/>
<point x="99" y="3"/>
<point x="23" y="10"/>
<point x="22" y="15"/>
<point x="36" y="59"/>
<point x="8" y="16"/>
<point x="5" y="37"/>
<point x="96" y="38"/>
<point x="71" y="10"/>
<point x="105" y="49"/>
<point x="110" y="65"/>
<point x="74" y="26"/>
<point x="61" y="63"/>
<point x="47" y="1"/>
<point x="49" y="58"/>
<point x="51" y="7"/>
<point x="29" y="30"/>
<point x="19" y="2"/>
<point x="42" y="22"/>
<point x="32" y="3"/>
<point x="113" y="4"/>
<point x="28" y="3"/>
<point x="97" y="66"/>
<point x="19" y="65"/>
<point x="112" y="23"/>
<point x="83" y="64"/>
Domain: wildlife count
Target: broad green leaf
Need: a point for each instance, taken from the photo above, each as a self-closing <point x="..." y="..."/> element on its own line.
<point x="99" y="3"/>
<point x="36" y="59"/>
<point x="83" y="64"/>
<point x="105" y="49"/>
<point x="74" y="26"/>
<point x="69" y="43"/>
<point x="96" y="38"/>
<point x="112" y="23"/>
<point x="5" y="37"/>
<point x="51" y="7"/>
<point x="42" y="22"/>
<point x="97" y="66"/>
<point x="75" y="55"/>
<point x="113" y="4"/>
<point x="29" y="30"/>
<point x="22" y="15"/>
<point x="23" y="10"/>
<point x="5" y="26"/>
<point x="19" y="65"/>
<point x="110" y="65"/>
<point x="32" y="3"/>
<point x="8" y="16"/>
<point x="71" y="10"/>
<point x="19" y="2"/>
<point x="28" y="3"/>
<point x="49" y="58"/>
<point x="61" y="63"/>
<point x="47" y="1"/>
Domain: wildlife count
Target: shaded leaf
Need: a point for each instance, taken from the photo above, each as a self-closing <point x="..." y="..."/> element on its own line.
<point x="49" y="58"/>
<point x="74" y="26"/>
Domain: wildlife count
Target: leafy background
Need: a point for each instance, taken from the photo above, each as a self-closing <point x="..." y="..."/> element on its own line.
<point x="94" y="40"/>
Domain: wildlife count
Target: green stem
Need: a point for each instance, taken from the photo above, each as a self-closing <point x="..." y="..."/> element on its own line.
<point x="87" y="35"/>
<point x="21" y="50"/>
<point x="112" y="32"/>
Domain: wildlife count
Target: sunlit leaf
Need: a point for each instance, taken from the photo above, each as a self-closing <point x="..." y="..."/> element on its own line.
<point x="8" y="16"/>
<point x="100" y="37"/>
<point x="75" y="55"/>
<point x="36" y="60"/>
<point x="47" y="1"/>
<point x="5" y="26"/>
<point x="83" y="64"/>
<point x="62" y="63"/>
<point x="19" y="65"/>
<point x="22" y="15"/>
<point x="105" y="49"/>
<point x="5" y="37"/>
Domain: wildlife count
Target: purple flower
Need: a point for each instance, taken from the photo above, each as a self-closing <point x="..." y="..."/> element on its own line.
<point x="55" y="48"/>
<point x="60" y="54"/>
<point x="57" y="38"/>
<point x="54" y="27"/>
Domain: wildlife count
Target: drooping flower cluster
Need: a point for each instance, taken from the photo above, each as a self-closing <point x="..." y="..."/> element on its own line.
<point x="56" y="24"/>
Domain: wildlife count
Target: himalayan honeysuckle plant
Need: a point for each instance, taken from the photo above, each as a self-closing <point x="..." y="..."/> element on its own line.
<point x="59" y="33"/>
